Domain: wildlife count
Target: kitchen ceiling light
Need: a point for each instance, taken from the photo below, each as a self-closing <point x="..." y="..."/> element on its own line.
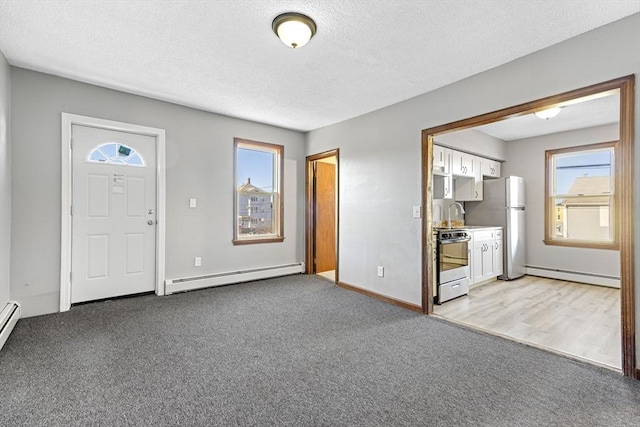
<point x="548" y="113"/>
<point x="294" y="29"/>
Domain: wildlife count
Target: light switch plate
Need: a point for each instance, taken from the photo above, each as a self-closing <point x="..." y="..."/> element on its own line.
<point x="192" y="203"/>
<point x="417" y="211"/>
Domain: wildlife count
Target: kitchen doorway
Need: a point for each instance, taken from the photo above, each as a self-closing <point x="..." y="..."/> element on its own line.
<point x="625" y="196"/>
<point x="322" y="171"/>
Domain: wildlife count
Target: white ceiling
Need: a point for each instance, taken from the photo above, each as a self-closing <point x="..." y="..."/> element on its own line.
<point x="578" y="114"/>
<point x="222" y="55"/>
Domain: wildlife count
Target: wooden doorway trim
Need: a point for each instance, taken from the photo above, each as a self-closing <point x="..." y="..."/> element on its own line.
<point x="625" y="215"/>
<point x="310" y="205"/>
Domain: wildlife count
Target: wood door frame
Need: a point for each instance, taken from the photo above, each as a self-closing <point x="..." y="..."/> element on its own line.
<point x="625" y="215"/>
<point x="66" y="197"/>
<point x="310" y="209"/>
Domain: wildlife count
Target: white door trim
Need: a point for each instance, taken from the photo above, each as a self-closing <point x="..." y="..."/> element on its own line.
<point x="66" y="225"/>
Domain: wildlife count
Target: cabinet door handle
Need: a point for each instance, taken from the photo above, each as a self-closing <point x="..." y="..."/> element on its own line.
<point x="476" y="194"/>
<point x="496" y="245"/>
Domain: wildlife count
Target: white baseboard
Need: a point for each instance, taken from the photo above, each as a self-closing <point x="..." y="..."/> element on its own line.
<point x="228" y="278"/>
<point x="8" y="318"/>
<point x="574" y="276"/>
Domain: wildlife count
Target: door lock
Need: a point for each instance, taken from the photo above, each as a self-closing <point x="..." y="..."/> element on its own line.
<point x="150" y="211"/>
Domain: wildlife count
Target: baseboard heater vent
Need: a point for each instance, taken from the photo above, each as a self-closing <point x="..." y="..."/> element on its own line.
<point x="574" y="276"/>
<point x="8" y="318"/>
<point x="228" y="278"/>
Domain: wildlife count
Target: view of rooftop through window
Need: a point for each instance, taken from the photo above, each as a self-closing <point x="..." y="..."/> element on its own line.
<point x="585" y="164"/>
<point x="581" y="190"/>
<point x="255" y="165"/>
<point x="258" y="186"/>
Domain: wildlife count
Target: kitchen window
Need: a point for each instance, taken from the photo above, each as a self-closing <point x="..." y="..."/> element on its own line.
<point x="258" y="206"/>
<point x="580" y="188"/>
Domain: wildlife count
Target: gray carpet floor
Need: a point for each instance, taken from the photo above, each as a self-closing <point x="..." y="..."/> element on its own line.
<point x="294" y="351"/>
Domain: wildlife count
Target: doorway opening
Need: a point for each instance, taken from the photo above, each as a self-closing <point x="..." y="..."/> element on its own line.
<point x="623" y="216"/>
<point x="322" y="200"/>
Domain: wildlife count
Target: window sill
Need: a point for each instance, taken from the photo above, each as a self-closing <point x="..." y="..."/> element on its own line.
<point x="583" y="244"/>
<point x="252" y="241"/>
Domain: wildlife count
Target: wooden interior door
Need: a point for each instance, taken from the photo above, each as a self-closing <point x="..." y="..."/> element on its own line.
<point x="325" y="230"/>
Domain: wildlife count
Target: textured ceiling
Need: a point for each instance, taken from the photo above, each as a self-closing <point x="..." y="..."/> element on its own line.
<point x="222" y="56"/>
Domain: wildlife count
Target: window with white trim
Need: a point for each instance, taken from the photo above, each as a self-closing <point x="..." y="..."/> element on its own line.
<point x="258" y="203"/>
<point x="581" y="202"/>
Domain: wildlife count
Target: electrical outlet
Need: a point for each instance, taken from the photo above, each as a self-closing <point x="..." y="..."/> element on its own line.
<point x="417" y="211"/>
<point x="192" y="203"/>
<point x="380" y="271"/>
<point x="198" y="261"/>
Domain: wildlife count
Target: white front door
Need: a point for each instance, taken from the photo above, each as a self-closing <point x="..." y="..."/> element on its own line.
<point x="113" y="213"/>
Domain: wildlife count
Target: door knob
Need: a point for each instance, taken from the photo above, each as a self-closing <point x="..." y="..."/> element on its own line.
<point x="150" y="211"/>
<point x="150" y="222"/>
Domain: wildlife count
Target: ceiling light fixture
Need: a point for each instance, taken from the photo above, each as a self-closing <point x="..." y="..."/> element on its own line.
<point x="548" y="113"/>
<point x="294" y="29"/>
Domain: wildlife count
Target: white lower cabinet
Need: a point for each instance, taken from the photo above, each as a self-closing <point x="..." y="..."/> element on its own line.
<point x="497" y="244"/>
<point x="486" y="257"/>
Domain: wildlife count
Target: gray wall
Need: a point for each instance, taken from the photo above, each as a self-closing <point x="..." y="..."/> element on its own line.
<point x="474" y="142"/>
<point x="527" y="159"/>
<point x="199" y="165"/>
<point x="5" y="179"/>
<point x="380" y="151"/>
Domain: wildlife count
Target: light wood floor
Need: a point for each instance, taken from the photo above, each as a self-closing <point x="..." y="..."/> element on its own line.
<point x="331" y="275"/>
<point x="578" y="319"/>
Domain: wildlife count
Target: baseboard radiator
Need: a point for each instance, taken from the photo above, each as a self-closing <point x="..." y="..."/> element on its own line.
<point x="228" y="278"/>
<point x="8" y="318"/>
<point x="574" y="276"/>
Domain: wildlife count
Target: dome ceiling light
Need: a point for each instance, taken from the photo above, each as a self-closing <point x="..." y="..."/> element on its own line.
<point x="549" y="113"/>
<point x="294" y="29"/>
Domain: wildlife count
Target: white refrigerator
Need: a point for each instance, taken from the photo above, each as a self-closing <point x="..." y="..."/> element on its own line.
<point x="503" y="205"/>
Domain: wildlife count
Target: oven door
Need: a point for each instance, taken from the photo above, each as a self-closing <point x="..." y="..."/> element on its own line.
<point x="453" y="260"/>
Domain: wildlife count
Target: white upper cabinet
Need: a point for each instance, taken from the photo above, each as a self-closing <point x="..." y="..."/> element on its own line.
<point x="478" y="192"/>
<point x="470" y="189"/>
<point x="460" y="175"/>
<point x="442" y="187"/>
<point x="490" y="168"/>
<point x="441" y="160"/>
<point x="462" y="164"/>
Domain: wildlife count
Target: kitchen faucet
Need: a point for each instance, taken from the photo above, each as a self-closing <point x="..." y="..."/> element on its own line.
<point x="449" y="211"/>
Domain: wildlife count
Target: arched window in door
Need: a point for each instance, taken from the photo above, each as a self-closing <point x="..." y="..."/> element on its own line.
<point x="115" y="153"/>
